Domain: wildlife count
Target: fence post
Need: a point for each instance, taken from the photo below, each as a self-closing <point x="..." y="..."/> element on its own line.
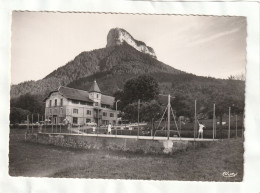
<point x="45" y="125"/>
<point x="229" y="109"/>
<point x="32" y="123"/>
<point x="138" y="109"/>
<point x="169" y="117"/>
<point x="243" y="122"/>
<point x="214" y="122"/>
<point x="180" y="126"/>
<point x="236" y="126"/>
<point x="51" y="121"/>
<point x="28" y="128"/>
<point x="195" y="119"/>
<point x="56" y="121"/>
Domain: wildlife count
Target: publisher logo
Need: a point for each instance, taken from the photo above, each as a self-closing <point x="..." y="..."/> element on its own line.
<point x="229" y="174"/>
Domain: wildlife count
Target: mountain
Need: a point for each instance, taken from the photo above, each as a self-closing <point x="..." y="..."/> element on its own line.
<point x="124" y="58"/>
<point x="118" y="36"/>
<point x="116" y="58"/>
<point x="184" y="86"/>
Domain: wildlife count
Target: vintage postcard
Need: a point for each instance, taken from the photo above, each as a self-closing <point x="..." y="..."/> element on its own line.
<point x="121" y="96"/>
<point x="112" y="96"/>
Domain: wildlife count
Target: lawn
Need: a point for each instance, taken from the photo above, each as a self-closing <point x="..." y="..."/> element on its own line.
<point x="203" y="164"/>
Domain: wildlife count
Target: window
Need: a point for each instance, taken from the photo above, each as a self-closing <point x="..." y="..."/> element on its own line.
<point x="75" y="111"/>
<point x="88" y="120"/>
<point x="104" y="114"/>
<point x="97" y="95"/>
<point x="55" y="111"/>
<point x="75" y="101"/>
<point x="105" y="106"/>
<point x="105" y="122"/>
<point x="89" y="104"/>
<point x="111" y="114"/>
<point x="61" y="111"/>
<point x="50" y="111"/>
<point x="55" y="102"/>
<point x="96" y="103"/>
<point x="83" y="102"/>
<point x="61" y="102"/>
<point x="75" y="120"/>
<point x="88" y="112"/>
<point x="50" y="103"/>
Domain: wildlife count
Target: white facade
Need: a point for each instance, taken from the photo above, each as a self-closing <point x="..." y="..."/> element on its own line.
<point x="59" y="108"/>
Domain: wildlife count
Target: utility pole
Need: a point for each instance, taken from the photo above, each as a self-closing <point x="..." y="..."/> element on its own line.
<point x="214" y="122"/>
<point x="229" y="109"/>
<point x="116" y="112"/>
<point x="236" y="126"/>
<point x="152" y="128"/>
<point x="52" y="120"/>
<point x="138" y="108"/>
<point x="195" y="119"/>
<point x="32" y="123"/>
<point x="243" y="128"/>
<point x="180" y="126"/>
<point x="28" y="124"/>
<point x="98" y="120"/>
<point x="169" y="116"/>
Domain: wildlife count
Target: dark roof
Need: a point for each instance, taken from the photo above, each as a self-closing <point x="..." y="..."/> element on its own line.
<point x="75" y="94"/>
<point x="94" y="87"/>
<point x="108" y="100"/>
<point x="49" y="95"/>
<point x="81" y="95"/>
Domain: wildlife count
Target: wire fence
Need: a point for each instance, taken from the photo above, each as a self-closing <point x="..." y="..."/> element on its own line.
<point x="185" y="131"/>
<point x="84" y="130"/>
<point x="228" y="129"/>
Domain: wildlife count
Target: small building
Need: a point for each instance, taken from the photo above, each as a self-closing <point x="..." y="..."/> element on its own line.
<point x="80" y="107"/>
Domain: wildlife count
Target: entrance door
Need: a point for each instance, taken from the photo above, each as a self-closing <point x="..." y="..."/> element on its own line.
<point x="75" y="120"/>
<point x="55" y="119"/>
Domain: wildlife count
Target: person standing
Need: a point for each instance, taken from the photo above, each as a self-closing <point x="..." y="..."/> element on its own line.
<point x="201" y="127"/>
<point x="109" y="129"/>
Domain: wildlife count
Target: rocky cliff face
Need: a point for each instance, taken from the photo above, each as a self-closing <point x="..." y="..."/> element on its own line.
<point x="117" y="36"/>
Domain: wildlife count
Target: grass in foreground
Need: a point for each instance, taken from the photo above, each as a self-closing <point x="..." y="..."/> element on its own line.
<point x="203" y="164"/>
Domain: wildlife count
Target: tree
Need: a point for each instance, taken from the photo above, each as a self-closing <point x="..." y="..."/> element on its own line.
<point x="148" y="111"/>
<point x="230" y="95"/>
<point x="144" y="87"/>
<point x="130" y="112"/>
<point x="240" y="76"/>
<point x="18" y="115"/>
<point x="181" y="106"/>
<point x="32" y="103"/>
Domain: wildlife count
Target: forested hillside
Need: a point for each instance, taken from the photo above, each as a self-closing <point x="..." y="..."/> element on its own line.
<point x="186" y="88"/>
<point x="116" y="60"/>
<point x="114" y="65"/>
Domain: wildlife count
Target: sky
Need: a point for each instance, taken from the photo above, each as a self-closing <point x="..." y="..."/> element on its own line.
<point x="203" y="45"/>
